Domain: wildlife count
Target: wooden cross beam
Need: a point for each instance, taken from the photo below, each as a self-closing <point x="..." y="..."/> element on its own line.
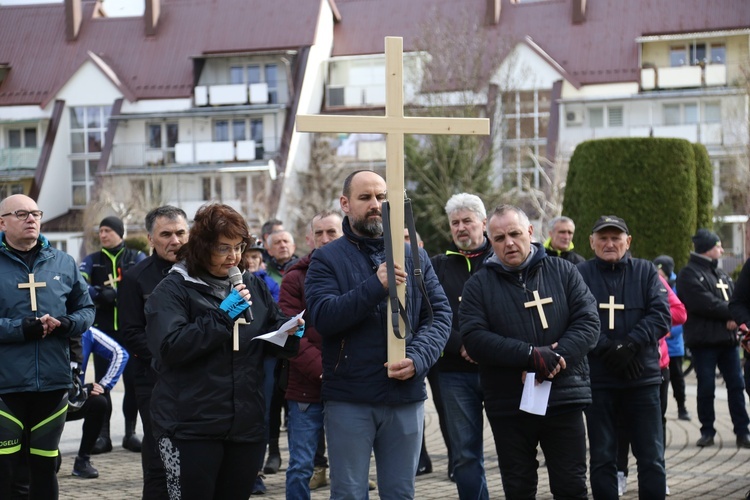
<point x="539" y="302"/>
<point x="612" y="306"/>
<point x="32" y="286"/>
<point x="111" y="281"/>
<point x="236" y="333"/>
<point x="394" y="125"/>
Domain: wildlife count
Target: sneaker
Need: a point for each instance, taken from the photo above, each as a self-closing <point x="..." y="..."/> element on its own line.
<point x="259" y="488"/>
<point x="83" y="468"/>
<point x="319" y="478"/>
<point x="622" y="483"/>
<point x="668" y="492"/>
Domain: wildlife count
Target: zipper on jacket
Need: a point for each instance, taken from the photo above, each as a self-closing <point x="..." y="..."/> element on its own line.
<point x="341" y="353"/>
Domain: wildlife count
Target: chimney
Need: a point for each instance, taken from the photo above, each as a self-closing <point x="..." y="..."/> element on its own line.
<point x="493" y="12"/>
<point x="151" y="16"/>
<point x="579" y="11"/>
<point x="72" y="19"/>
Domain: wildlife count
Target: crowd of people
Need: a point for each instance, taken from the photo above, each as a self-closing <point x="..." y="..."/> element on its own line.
<point x="558" y="352"/>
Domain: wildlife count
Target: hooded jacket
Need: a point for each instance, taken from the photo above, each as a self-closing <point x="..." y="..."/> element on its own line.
<point x="205" y="389"/>
<point x="568" y="254"/>
<point x="347" y="305"/>
<point x="645" y="318"/>
<point x="708" y="310"/>
<point x="499" y="330"/>
<point x="40" y="365"/>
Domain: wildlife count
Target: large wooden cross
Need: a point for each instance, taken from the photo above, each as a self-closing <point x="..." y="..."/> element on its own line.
<point x="394" y="125"/>
<point x="32" y="286"/>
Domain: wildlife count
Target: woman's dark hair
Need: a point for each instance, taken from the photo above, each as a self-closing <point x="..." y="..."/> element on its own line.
<point x="211" y="221"/>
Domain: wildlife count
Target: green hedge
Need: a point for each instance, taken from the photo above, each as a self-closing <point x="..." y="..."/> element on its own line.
<point x="704" y="174"/>
<point x="651" y="183"/>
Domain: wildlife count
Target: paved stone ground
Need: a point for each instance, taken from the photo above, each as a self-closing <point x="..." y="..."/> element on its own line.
<point x="717" y="472"/>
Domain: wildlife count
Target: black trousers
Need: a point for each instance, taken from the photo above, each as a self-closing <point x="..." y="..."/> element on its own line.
<point x="677" y="377"/>
<point x="209" y="469"/>
<point x="563" y="441"/>
<point x="93" y="412"/>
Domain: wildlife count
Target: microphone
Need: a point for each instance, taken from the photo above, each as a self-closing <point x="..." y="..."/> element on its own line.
<point x="235" y="278"/>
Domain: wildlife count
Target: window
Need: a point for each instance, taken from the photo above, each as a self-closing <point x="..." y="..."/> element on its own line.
<point x="672" y="114"/>
<point x="240" y="129"/>
<point x="211" y="188"/>
<point x="525" y="119"/>
<point x="691" y="113"/>
<point x="712" y="112"/>
<point x="694" y="54"/>
<point x="9" y="189"/>
<point x="259" y="73"/>
<point x="22" y="138"/>
<point x="88" y="127"/>
<point x="614" y="116"/>
<point x="164" y="137"/>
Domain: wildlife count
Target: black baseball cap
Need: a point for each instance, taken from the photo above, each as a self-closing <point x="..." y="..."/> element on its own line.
<point x="610" y="221"/>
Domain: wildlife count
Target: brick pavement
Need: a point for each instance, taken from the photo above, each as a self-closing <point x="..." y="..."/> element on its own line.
<point x="692" y="473"/>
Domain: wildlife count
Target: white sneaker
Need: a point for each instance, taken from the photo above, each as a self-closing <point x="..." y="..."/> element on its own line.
<point x="668" y="492"/>
<point x="622" y="483"/>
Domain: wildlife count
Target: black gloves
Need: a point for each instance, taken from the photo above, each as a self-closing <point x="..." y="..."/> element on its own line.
<point x="620" y="354"/>
<point x="543" y="361"/>
<point x="634" y="370"/>
<point x="107" y="296"/>
<point x="32" y="328"/>
<point x="65" y="326"/>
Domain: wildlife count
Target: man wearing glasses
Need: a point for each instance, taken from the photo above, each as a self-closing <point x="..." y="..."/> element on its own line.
<point x="44" y="303"/>
<point x="103" y="271"/>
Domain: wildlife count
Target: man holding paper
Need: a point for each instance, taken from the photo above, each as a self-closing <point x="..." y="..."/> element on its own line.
<point x="526" y="314"/>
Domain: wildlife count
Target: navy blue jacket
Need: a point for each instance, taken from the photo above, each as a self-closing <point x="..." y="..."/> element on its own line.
<point x="498" y="330"/>
<point x="645" y="319"/>
<point x="347" y="304"/>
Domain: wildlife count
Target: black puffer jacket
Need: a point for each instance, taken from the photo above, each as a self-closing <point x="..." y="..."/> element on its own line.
<point x="708" y="311"/>
<point x="644" y="320"/>
<point x="498" y="330"/>
<point x="204" y="389"/>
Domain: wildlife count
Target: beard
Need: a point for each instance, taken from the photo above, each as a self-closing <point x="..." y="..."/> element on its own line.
<point x="371" y="228"/>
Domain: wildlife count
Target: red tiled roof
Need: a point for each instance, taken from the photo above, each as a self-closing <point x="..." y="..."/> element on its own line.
<point x="600" y="50"/>
<point x="33" y="43"/>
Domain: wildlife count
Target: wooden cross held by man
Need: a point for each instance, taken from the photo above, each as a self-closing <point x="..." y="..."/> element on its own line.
<point x="394" y="125"/>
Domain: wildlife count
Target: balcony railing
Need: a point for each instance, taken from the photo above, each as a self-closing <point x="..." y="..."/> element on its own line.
<point x="232" y="94"/>
<point x="711" y="75"/>
<point x="140" y="155"/>
<point x="19" y="158"/>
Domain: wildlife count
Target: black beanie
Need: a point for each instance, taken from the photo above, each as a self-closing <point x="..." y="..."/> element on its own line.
<point x="704" y="240"/>
<point x="665" y="263"/>
<point x="115" y="224"/>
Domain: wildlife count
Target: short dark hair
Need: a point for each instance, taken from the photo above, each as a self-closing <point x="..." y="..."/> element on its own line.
<point x="211" y="221"/>
<point x="267" y="227"/>
<point x="168" y="211"/>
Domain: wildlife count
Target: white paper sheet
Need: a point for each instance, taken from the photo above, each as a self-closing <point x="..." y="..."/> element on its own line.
<point x="535" y="397"/>
<point x="279" y="336"/>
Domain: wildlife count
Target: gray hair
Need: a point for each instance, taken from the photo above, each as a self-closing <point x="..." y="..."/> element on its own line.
<point x="466" y="201"/>
<point x="269" y="238"/>
<point x="551" y="224"/>
<point x="170" y="212"/>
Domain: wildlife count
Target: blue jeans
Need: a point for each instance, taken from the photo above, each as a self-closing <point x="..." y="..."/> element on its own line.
<point x="640" y="409"/>
<point x="305" y="426"/>
<point x="463" y="401"/>
<point x="355" y="430"/>
<point x="727" y="359"/>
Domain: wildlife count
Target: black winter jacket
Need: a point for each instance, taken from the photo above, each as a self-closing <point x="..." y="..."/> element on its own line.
<point x="739" y="304"/>
<point x="708" y="311"/>
<point x="498" y="330"/>
<point x="348" y="306"/>
<point x="204" y="389"/>
<point x="135" y="288"/>
<point x="645" y="319"/>
<point x="453" y="270"/>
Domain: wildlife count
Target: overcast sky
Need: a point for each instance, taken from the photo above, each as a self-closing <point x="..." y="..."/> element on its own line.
<point x="114" y="8"/>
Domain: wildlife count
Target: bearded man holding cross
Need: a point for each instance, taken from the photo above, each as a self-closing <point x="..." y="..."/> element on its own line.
<point x="711" y="334"/>
<point x="44" y="303"/>
<point x="527" y="312"/>
<point x="625" y="372"/>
